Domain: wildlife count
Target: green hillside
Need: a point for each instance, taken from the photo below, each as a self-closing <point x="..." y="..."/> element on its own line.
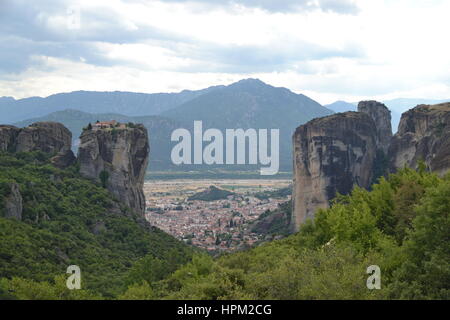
<point x="69" y="220"/>
<point x="402" y="226"/>
<point x="211" y="194"/>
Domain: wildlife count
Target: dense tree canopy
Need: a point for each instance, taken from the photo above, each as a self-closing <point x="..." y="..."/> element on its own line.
<point x="401" y="225"/>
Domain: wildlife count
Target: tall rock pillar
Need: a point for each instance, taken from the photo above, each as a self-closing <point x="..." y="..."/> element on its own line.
<point x="331" y="154"/>
<point x="117" y="156"/>
<point x="381" y="115"/>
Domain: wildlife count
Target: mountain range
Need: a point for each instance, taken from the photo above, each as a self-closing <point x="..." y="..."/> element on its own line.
<point x="128" y="103"/>
<point x="248" y="103"/>
<point x="245" y="104"/>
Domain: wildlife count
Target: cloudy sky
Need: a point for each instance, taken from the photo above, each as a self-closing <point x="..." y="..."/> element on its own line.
<point x="326" y="49"/>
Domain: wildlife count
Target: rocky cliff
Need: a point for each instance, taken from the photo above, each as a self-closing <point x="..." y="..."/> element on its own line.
<point x="118" y="159"/>
<point x="381" y="115"/>
<point x="424" y="134"/>
<point x="14" y="203"/>
<point x="49" y="137"/>
<point x="8" y="137"/>
<point x="334" y="153"/>
<point x="331" y="154"/>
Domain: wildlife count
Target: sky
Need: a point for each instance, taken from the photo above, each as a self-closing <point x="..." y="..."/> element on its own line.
<point x="326" y="49"/>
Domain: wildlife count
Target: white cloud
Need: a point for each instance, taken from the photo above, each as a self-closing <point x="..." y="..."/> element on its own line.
<point x="384" y="49"/>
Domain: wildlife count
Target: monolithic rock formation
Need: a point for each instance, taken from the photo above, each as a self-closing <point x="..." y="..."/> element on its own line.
<point x="8" y="137"/>
<point x="382" y="117"/>
<point x="118" y="158"/>
<point x="14" y="203"/>
<point x="334" y="153"/>
<point x="49" y="137"/>
<point x="331" y="154"/>
<point x="424" y="134"/>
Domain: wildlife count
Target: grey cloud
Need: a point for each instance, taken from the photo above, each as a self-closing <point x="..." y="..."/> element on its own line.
<point x="26" y="31"/>
<point x="284" y="6"/>
<point x="251" y="59"/>
<point x="16" y="54"/>
<point x="31" y="20"/>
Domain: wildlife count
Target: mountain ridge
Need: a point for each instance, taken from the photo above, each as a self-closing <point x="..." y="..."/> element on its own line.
<point x="136" y="103"/>
<point x="249" y="103"/>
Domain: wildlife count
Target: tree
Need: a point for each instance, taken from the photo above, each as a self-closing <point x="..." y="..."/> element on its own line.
<point x="104" y="176"/>
<point x="425" y="273"/>
<point x="138" y="292"/>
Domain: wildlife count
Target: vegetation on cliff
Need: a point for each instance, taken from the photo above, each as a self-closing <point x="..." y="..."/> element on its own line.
<point x="401" y="224"/>
<point x="70" y="220"/>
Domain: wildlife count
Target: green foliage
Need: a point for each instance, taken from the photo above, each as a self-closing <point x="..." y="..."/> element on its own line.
<point x="276" y="194"/>
<point x="24" y="289"/>
<point x="426" y="271"/>
<point x="69" y="220"/>
<point x="138" y="292"/>
<point x="276" y="222"/>
<point x="401" y="225"/>
<point x="211" y="194"/>
<point x="104" y="176"/>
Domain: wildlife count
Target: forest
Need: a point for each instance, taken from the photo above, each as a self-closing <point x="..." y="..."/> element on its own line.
<point x="401" y="225"/>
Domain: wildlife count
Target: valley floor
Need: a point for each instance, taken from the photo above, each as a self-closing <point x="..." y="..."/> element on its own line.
<point x="220" y="225"/>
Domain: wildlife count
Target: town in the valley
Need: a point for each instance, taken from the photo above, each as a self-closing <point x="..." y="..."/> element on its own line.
<point x="219" y="225"/>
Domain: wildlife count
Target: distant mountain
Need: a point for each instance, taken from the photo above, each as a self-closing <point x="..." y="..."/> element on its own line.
<point x="251" y="103"/>
<point x="341" y="106"/>
<point x="159" y="129"/>
<point x="245" y="104"/>
<point x="128" y="103"/>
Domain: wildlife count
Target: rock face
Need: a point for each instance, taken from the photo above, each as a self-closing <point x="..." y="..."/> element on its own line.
<point x="424" y="134"/>
<point x="49" y="137"/>
<point x="8" y="137"/>
<point x="334" y="153"/>
<point x="63" y="159"/>
<point x="14" y="203"/>
<point x="331" y="154"/>
<point x="118" y="158"/>
<point x="381" y="115"/>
